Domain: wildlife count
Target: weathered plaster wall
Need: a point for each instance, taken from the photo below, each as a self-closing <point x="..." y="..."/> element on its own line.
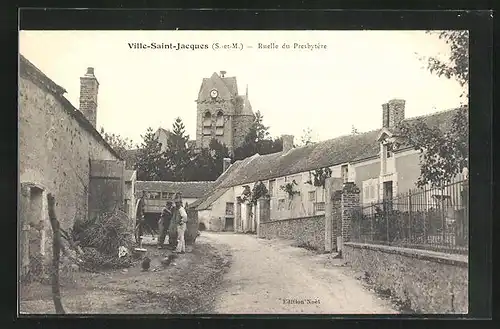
<point x="408" y="169"/>
<point x="214" y="218"/>
<point x="55" y="152"/>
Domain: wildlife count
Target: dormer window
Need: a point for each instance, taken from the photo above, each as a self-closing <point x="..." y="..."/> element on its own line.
<point x="389" y="148"/>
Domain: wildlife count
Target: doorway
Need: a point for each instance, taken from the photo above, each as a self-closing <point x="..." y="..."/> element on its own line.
<point x="387" y="196"/>
<point x="229" y="224"/>
<point x="32" y="240"/>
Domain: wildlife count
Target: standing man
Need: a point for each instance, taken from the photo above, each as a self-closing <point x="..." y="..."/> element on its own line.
<point x="180" y="217"/>
<point x="163" y="223"/>
<point x="139" y="214"/>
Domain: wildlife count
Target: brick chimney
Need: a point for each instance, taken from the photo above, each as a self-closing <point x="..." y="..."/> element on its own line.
<point x="287" y="142"/>
<point x="393" y="112"/>
<point x="226" y="162"/>
<point x="89" y="87"/>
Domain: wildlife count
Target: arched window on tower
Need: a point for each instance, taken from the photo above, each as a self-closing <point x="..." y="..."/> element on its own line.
<point x="219" y="124"/>
<point x="207" y="124"/>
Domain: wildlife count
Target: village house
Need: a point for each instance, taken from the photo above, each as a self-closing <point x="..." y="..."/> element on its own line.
<point x="62" y="153"/>
<point x="378" y="162"/>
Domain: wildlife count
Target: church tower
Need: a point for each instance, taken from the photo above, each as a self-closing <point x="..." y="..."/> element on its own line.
<point x="222" y="113"/>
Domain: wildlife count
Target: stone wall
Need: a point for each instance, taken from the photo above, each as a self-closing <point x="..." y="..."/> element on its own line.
<point x="429" y="282"/>
<point x="55" y="150"/>
<point x="307" y="231"/>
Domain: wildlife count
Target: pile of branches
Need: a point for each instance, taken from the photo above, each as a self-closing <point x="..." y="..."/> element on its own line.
<point x="100" y="238"/>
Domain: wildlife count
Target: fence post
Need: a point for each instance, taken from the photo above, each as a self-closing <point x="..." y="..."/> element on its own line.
<point x="371" y="222"/>
<point x="443" y="224"/>
<point x="409" y="216"/>
<point x="424" y="213"/>
<point x="386" y="211"/>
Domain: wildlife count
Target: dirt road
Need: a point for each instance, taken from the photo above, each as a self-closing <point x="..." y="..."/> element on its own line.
<point x="271" y="276"/>
<point x="186" y="286"/>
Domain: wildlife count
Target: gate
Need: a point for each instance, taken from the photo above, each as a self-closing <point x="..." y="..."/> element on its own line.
<point x="107" y="185"/>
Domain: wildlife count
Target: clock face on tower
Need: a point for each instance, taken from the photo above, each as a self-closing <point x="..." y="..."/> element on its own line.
<point x="214" y="93"/>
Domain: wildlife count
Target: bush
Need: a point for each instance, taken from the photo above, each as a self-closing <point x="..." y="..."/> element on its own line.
<point x="100" y="238"/>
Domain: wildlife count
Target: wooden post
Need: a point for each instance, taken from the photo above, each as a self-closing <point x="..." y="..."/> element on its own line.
<point x="56" y="252"/>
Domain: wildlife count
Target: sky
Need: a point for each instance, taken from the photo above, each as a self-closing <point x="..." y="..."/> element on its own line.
<point x="326" y="90"/>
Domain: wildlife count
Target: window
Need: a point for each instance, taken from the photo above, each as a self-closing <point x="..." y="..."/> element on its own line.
<point x="207" y="124"/>
<point x="312" y="196"/>
<point x="388" y="150"/>
<point x="319" y="206"/>
<point x="229" y="209"/>
<point x="165" y="195"/>
<point x="219" y="124"/>
<point x="220" y="120"/>
<point x="345" y="173"/>
<point x="207" y="120"/>
<point x="281" y="204"/>
<point x="272" y="184"/>
<point x="154" y="195"/>
<point x="370" y="191"/>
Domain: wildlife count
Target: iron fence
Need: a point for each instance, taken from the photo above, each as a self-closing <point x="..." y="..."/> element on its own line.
<point x="432" y="219"/>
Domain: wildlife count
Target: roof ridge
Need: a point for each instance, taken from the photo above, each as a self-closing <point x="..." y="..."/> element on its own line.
<point x="170" y="181"/>
<point x="58" y="92"/>
<point x="432" y="114"/>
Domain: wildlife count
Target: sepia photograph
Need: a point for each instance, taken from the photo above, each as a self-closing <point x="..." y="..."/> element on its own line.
<point x="259" y="172"/>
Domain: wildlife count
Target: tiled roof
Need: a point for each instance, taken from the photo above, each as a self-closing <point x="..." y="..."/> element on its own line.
<point x="246" y="109"/>
<point x="216" y="187"/>
<point x="331" y="152"/>
<point x="207" y="202"/>
<point x="442" y="120"/>
<point x="231" y="84"/>
<point x="328" y="153"/>
<point x="31" y="72"/>
<point x="187" y="189"/>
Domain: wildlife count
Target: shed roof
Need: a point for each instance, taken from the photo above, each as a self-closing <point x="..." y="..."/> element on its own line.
<point x="187" y="189"/>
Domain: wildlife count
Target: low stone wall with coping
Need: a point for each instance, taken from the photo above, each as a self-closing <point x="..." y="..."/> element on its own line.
<point x="306" y="231"/>
<point x="426" y="281"/>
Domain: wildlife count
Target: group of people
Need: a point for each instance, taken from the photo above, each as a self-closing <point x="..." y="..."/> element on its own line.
<point x="173" y="220"/>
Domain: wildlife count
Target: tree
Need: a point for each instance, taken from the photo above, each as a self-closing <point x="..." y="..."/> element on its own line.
<point x="218" y="152"/>
<point x="307" y="137"/>
<point x="150" y="160"/>
<point x="443" y="154"/>
<point x="354" y="131"/>
<point x="121" y="145"/>
<point x="257" y="140"/>
<point x="208" y="163"/>
<point x="457" y="65"/>
<point x="178" y="156"/>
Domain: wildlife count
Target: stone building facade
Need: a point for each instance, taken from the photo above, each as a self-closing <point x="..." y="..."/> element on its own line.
<point x="58" y="149"/>
<point x="222" y="113"/>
